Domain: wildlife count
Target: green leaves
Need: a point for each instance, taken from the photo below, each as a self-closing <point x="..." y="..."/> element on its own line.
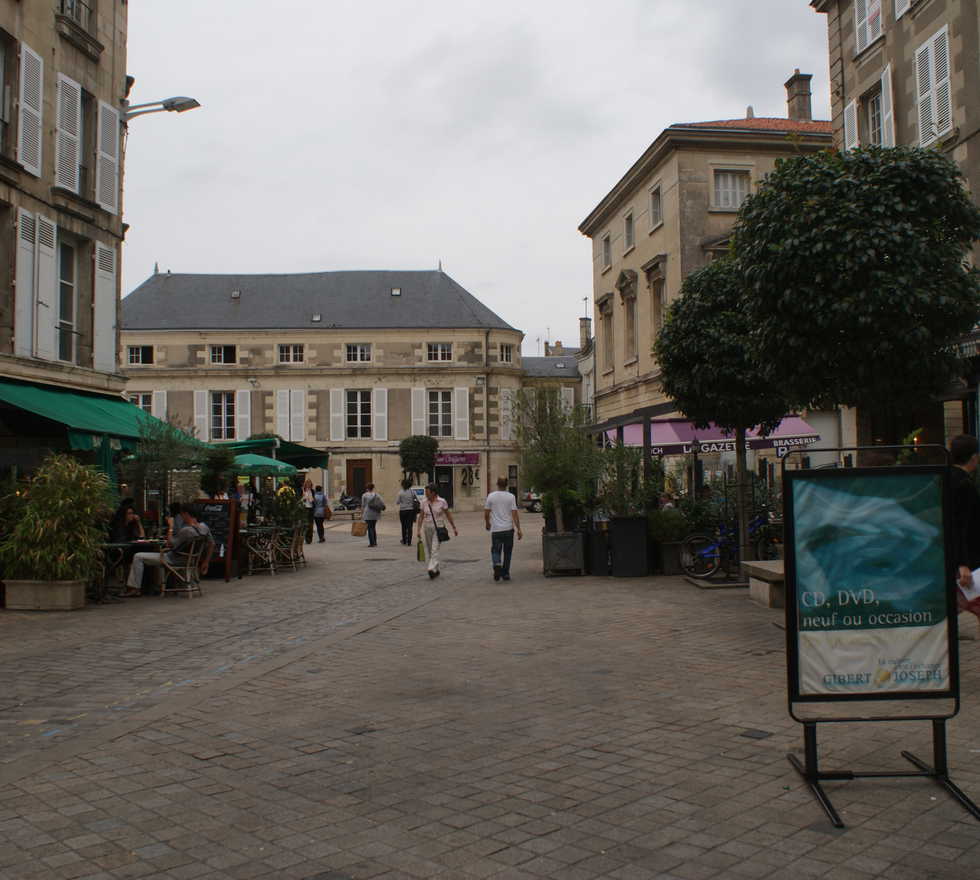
<point x="418" y="454"/>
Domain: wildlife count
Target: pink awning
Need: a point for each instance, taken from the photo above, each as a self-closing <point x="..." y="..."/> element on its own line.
<point x="677" y="436"/>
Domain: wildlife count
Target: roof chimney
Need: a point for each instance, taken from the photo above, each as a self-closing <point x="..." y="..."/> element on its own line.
<point x="584" y="332"/>
<point x="749" y="112"/>
<point x="798" y="96"/>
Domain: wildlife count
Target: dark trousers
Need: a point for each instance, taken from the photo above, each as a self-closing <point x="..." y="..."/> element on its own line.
<point x="309" y="525"/>
<point x="318" y="520"/>
<point x="501" y="549"/>
<point x="372" y="527"/>
<point x="407" y="518"/>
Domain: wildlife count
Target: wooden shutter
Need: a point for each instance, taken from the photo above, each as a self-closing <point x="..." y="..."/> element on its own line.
<point x="419" y="412"/>
<point x="461" y="413"/>
<point x="923" y="88"/>
<point x="106" y="309"/>
<point x="567" y="398"/>
<point x="379" y="408"/>
<point x="282" y="413"/>
<point x="243" y="414"/>
<point x="201" y="416"/>
<point x="941" y="94"/>
<point x="874" y="20"/>
<point x="336" y="413"/>
<point x="46" y="277"/>
<point x="107" y="159"/>
<point x="66" y="144"/>
<point x="158" y="405"/>
<point x="24" y="290"/>
<point x="887" y="108"/>
<point x="297" y="415"/>
<point x="30" y="110"/>
<point x="861" y="24"/>
<point x="901" y="7"/>
<point x="851" y="126"/>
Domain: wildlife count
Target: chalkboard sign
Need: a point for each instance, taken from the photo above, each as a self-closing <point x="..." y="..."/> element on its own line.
<point x="222" y="519"/>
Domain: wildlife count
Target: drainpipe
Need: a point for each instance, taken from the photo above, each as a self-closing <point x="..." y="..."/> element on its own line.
<point x="486" y="408"/>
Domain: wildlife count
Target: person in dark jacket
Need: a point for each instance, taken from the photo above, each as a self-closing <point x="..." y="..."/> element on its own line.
<point x="965" y="502"/>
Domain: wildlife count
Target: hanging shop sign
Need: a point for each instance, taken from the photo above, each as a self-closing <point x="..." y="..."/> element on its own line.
<point x="449" y="458"/>
<point x="869" y="598"/>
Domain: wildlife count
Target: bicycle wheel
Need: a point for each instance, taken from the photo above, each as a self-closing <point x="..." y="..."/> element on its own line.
<point x="765" y="549"/>
<point x="700" y="556"/>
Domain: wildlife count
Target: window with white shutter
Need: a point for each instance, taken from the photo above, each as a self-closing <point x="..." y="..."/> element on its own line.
<point x="30" y="110"/>
<point x="567" y="398"/>
<point x="506" y="413"/>
<point x="867" y="22"/>
<point x="201" y="415"/>
<point x="106" y="304"/>
<point x="901" y="7"/>
<point x="336" y="414"/>
<point x="282" y="413"/>
<point x="730" y="190"/>
<point x="107" y="159"/>
<point x="158" y="405"/>
<point x="933" y="88"/>
<point x="24" y="289"/>
<point x="46" y="299"/>
<point x="419" y="412"/>
<point x="243" y="414"/>
<point x="297" y="415"/>
<point x="887" y="108"/>
<point x="380" y="413"/>
<point x="851" y="139"/>
<point x="67" y="146"/>
<point x="461" y="403"/>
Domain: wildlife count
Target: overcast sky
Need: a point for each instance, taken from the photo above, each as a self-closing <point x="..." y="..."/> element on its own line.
<point x="393" y="134"/>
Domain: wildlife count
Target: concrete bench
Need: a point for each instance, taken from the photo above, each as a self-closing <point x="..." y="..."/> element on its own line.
<point x="766" y="583"/>
<point x="352" y="514"/>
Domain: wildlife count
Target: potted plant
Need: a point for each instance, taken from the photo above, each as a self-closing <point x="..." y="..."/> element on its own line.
<point x="561" y="461"/>
<point x="667" y="530"/>
<point x="55" y="549"/>
<point x="627" y="496"/>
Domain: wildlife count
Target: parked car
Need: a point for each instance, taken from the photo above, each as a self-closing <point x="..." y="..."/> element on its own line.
<point x="532" y="501"/>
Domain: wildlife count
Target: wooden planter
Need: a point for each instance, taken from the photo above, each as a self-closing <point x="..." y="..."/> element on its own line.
<point x="670" y="558"/>
<point x="563" y="553"/>
<point x="45" y="595"/>
<point x="628" y="539"/>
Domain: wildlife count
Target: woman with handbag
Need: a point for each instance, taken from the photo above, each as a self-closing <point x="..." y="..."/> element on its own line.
<point x="432" y="526"/>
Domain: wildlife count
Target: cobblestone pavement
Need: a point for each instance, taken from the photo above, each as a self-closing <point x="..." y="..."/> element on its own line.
<point x="357" y="720"/>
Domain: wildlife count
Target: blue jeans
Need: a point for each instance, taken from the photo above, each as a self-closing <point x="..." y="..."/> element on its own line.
<point x="501" y="549"/>
<point x="372" y="527"/>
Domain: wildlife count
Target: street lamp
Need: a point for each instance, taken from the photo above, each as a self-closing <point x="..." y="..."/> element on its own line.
<point x="176" y="105"/>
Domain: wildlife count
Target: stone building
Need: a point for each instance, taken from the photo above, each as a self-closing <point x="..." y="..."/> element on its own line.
<point x="62" y="104"/>
<point x="669" y="214"/>
<point x="348" y="362"/>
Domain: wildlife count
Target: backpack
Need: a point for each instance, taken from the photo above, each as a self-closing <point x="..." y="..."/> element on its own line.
<point x="376" y="504"/>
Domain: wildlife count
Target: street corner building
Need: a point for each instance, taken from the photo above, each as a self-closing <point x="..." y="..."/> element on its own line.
<point x="348" y="362"/>
<point x="62" y="118"/>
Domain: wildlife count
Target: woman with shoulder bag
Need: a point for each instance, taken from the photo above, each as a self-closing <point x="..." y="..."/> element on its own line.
<point x="372" y="506"/>
<point x="432" y="526"/>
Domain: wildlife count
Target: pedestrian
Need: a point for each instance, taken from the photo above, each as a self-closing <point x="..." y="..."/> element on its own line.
<point x="408" y="508"/>
<point x="372" y="504"/>
<point x="320" y="511"/>
<point x="433" y="513"/>
<point x="501" y="519"/>
<point x="308" y="504"/>
<point x="965" y="502"/>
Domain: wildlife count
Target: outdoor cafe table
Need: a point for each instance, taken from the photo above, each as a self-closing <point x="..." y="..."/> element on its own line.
<point x="257" y="544"/>
<point x="116" y="554"/>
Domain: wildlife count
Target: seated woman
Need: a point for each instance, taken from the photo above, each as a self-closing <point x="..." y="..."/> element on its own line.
<point x="125" y="526"/>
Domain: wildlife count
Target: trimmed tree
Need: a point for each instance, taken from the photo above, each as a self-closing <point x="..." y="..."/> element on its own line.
<point x="418" y="454"/>
<point x="709" y="373"/>
<point x="856" y="275"/>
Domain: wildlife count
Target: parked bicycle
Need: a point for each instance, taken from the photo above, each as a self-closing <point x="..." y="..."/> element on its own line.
<point x="703" y="555"/>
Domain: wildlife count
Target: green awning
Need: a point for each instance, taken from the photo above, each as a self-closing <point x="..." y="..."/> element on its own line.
<point x="88" y="417"/>
<point x="253" y="465"/>
<point x="296" y="454"/>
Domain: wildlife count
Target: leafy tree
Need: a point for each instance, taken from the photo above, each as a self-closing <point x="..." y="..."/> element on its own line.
<point x="163" y="448"/>
<point x="217" y="469"/>
<point x="707" y="369"/>
<point x="418" y="454"/>
<point x="856" y="275"/>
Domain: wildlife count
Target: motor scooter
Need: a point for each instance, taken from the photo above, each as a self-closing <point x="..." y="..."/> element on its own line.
<point x="348" y="502"/>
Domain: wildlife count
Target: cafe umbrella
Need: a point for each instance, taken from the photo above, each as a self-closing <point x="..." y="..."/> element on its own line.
<point x="252" y="465"/>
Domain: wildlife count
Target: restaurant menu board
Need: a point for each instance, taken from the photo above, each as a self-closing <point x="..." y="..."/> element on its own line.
<point x="870" y="603"/>
<point x="222" y="519"/>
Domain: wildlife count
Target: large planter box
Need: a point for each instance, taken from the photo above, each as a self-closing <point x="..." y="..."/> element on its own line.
<point x="670" y="558"/>
<point x="628" y="538"/>
<point x="562" y="553"/>
<point x="596" y="553"/>
<point x="45" y="595"/>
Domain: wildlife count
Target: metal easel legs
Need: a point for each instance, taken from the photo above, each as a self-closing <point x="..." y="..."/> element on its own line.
<point x="813" y="776"/>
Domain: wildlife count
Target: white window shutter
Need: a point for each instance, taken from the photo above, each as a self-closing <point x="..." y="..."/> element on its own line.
<point x="567" y="398"/>
<point x="24" y="290"/>
<point x="336" y="413"/>
<point x="419" y="412"/>
<point x="850" y="126"/>
<point x="66" y="144"/>
<point x="107" y="159"/>
<point x="380" y="412"/>
<point x="942" y="98"/>
<point x="106" y="307"/>
<point x="861" y="24"/>
<point x="901" y="7"/>
<point x="923" y="88"/>
<point x="31" y="107"/>
<point x="297" y="415"/>
<point x="158" y="405"/>
<point x="874" y="20"/>
<point x="506" y="413"/>
<point x="243" y="414"/>
<point x="282" y="413"/>
<point x="887" y="108"/>
<point x="461" y="407"/>
<point x="201" y="416"/>
<point x="46" y="315"/>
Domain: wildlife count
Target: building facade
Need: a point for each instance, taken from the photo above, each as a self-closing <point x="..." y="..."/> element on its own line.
<point x="347" y="362"/>
<point x="667" y="216"/>
<point x="63" y="67"/>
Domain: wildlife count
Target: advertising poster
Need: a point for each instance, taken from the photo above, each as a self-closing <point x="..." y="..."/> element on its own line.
<point x="871" y="584"/>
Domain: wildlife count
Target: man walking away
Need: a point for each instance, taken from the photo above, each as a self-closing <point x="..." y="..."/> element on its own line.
<point x="501" y="519"/>
<point x="408" y="508"/>
<point x="371" y="507"/>
<point x="966" y="515"/>
<point x="320" y="511"/>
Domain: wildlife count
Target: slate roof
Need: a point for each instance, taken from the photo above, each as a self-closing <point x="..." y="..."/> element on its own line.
<point x="564" y="367"/>
<point x="764" y="123"/>
<point x="357" y="299"/>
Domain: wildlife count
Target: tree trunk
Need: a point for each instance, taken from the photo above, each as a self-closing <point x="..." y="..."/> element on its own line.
<point x="559" y="519"/>
<point x="745" y="551"/>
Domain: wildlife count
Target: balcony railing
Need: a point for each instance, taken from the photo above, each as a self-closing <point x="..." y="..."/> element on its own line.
<point x="78" y="12"/>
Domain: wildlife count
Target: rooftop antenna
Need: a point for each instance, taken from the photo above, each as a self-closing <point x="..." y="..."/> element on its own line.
<point x="585" y="308"/>
<point x="539" y="345"/>
<point x="440" y="265"/>
<point x="156" y="268"/>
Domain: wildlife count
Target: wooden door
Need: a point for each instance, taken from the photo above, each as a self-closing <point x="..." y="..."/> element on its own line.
<point x="358" y="475"/>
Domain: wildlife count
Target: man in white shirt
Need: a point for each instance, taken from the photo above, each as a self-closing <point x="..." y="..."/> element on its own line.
<point x="501" y="519"/>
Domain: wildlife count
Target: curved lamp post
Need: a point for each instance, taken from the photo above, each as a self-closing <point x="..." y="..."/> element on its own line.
<point x="175" y="105"/>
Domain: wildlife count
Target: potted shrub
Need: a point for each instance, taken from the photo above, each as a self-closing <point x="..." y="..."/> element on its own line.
<point x="627" y="497"/>
<point x="55" y="549"/>
<point x="561" y="461"/>
<point x="667" y="530"/>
